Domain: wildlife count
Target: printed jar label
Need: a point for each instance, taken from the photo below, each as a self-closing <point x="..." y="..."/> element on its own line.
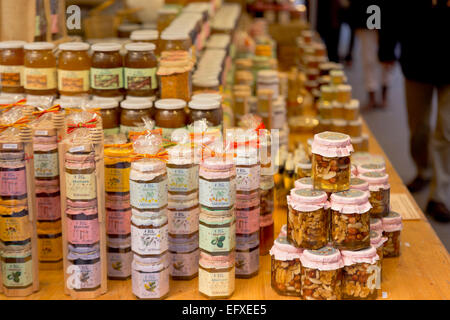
<point x="150" y="240"/>
<point x="220" y="239"/>
<point x="46" y="165"/>
<point x="140" y="78"/>
<point x="183" y="222"/>
<point x="117" y="179"/>
<point x="217" y="193"/>
<point x="73" y="81"/>
<point x="107" y="79"/>
<point x="17" y="274"/>
<point x="81" y="186"/>
<point x="247" y="221"/>
<point x="15" y="228"/>
<point x="11" y="76"/>
<point x="247" y="262"/>
<point x="40" y="78"/>
<point x="85" y="276"/>
<point x="118" y="222"/>
<point x="148" y="195"/>
<point x="13" y="183"/>
<point x="184" y="264"/>
<point x="119" y="264"/>
<point x="216" y="284"/>
<point x="48" y="208"/>
<point x="83" y="231"/>
<point x="247" y="179"/>
<point x="150" y="285"/>
<point x="182" y="179"/>
<point x="50" y="249"/>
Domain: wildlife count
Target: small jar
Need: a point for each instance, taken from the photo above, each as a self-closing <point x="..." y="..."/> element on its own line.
<point x="285" y="268"/>
<point x="139" y="71"/>
<point x="183" y="214"/>
<point x="321" y="276"/>
<point x="307" y="222"/>
<point x="376" y="224"/>
<point x="184" y="256"/>
<point x="268" y="79"/>
<point x="331" y="161"/>
<point x="337" y="110"/>
<point x="74" y="66"/>
<point x="11" y="66"/>
<point x="133" y="113"/>
<point x="359" y="184"/>
<point x="150" y="276"/>
<point x="303" y="170"/>
<point x="106" y="70"/>
<point x="350" y="220"/>
<point x="354" y="128"/>
<point x="45" y="154"/>
<point x="325" y="109"/>
<point x="351" y="110"/>
<point x="328" y="95"/>
<point x="324" y="125"/>
<point x="17" y="266"/>
<point x="13" y="175"/>
<point x="362" y="274"/>
<point x="265" y="100"/>
<point x="40" y="69"/>
<point x="365" y="143"/>
<point x="247" y="255"/>
<point x="217" y="231"/>
<point x="304" y="183"/>
<point x="337" y="77"/>
<point x="49" y="242"/>
<point x="357" y="143"/>
<point x="371" y="167"/>
<point x="247" y="169"/>
<point x="216" y="275"/>
<point x="119" y="258"/>
<point x="80" y="175"/>
<point x="182" y="172"/>
<point x="170" y="115"/>
<point x="118" y="216"/>
<point x="240" y="103"/>
<point x="88" y="271"/>
<point x="376" y="241"/>
<point x="247" y="216"/>
<point x="203" y="84"/>
<point x="117" y="171"/>
<point x="392" y="227"/>
<point x="379" y="188"/>
<point x="82" y="223"/>
<point x="343" y="93"/>
<point x="149" y="232"/>
<point x="211" y="110"/>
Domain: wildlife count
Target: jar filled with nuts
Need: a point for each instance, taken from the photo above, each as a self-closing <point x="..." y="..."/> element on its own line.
<point x="379" y="192"/>
<point x="392" y="227"/>
<point x="286" y="268"/>
<point x="321" y="277"/>
<point x="376" y="225"/>
<point x="362" y="274"/>
<point x="307" y="223"/>
<point x="377" y="240"/>
<point x="350" y="220"/>
<point x="331" y="161"/>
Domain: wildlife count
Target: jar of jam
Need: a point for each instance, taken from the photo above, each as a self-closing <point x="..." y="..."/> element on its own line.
<point x="184" y="256"/>
<point x="106" y="70"/>
<point x="183" y="213"/>
<point x="247" y="255"/>
<point x="150" y="276"/>
<point x="217" y="231"/>
<point x="149" y="232"/>
<point x="170" y="115"/>
<point x="74" y="66"/>
<point x="40" y="69"/>
<point x="337" y="110"/>
<point x="392" y="227"/>
<point x="119" y="257"/>
<point x="11" y="66"/>
<point x="140" y="66"/>
<point x="86" y="260"/>
<point x="182" y="172"/>
<point x="211" y="110"/>
<point x="82" y="223"/>
<point x="343" y="93"/>
<point x="216" y="275"/>
<point x="351" y="110"/>
<point x="133" y="114"/>
<point x="80" y="175"/>
<point x="17" y="266"/>
<point x="303" y="169"/>
<point x="110" y="113"/>
<point x="118" y="214"/>
<point x="379" y="188"/>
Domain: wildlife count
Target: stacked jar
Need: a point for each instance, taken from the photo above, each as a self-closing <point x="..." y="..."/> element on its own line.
<point x="11" y="66"/>
<point x="135" y="114"/>
<point x="106" y="70"/>
<point x="183" y="211"/>
<point x="217" y="229"/>
<point x="379" y="188"/>
<point x="40" y="69"/>
<point x="170" y="114"/>
<point x="392" y="227"/>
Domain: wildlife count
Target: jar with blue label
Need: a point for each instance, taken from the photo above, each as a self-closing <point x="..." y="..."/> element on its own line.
<point x="182" y="172"/>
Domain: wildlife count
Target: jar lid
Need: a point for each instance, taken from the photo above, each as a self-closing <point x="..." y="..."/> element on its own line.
<point x="150" y="263"/>
<point x="283" y="250"/>
<point x="141" y="35"/>
<point x="208" y="82"/>
<point x="375" y="224"/>
<point x="204" y="104"/>
<point x="326" y="258"/>
<point x="181" y="154"/>
<point x="207" y="96"/>
<point x="376" y="180"/>
<point x="140" y="46"/>
<point x="332" y="144"/>
<point x="304" y="183"/>
<point x="106" y="46"/>
<point x="107" y="103"/>
<point x="356" y="140"/>
<point x="118" y="242"/>
<point x="39" y="46"/>
<point x="117" y="98"/>
<point x="392" y="222"/>
<point x="134" y="104"/>
<point x="360" y="184"/>
<point x="13" y="44"/>
<point x="141" y="218"/>
<point x="371" y="167"/>
<point x="268" y="75"/>
<point x="218" y="164"/>
<point x="74" y="46"/>
<point x="376" y="238"/>
<point x="172" y="35"/>
<point x="350" y="201"/>
<point x="149" y="165"/>
<point x="353" y="104"/>
<point x="339" y="122"/>
<point x="368" y="255"/>
<point x="307" y="200"/>
<point x="170" y="104"/>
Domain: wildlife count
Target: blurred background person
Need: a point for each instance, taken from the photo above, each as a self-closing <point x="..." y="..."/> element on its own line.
<point x="329" y="26"/>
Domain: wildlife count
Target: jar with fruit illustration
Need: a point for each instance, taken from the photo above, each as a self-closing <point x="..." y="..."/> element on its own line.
<point x="150" y="276"/>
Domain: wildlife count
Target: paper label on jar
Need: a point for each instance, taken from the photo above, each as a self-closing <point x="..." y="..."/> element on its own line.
<point x="247" y="262"/>
<point x="217" y="193"/>
<point x="247" y="179"/>
<point x="183" y="222"/>
<point x="106" y="79"/>
<point x="85" y="276"/>
<point x="13" y="183"/>
<point x="148" y="195"/>
<point x="184" y="264"/>
<point x="46" y="165"/>
<point x="73" y="81"/>
<point x="48" y="208"/>
<point x="247" y="221"/>
<point x="50" y="249"/>
<point x="220" y="239"/>
<point x="11" y="76"/>
<point x="150" y="285"/>
<point x="17" y="274"/>
<point x="15" y="228"/>
<point x="119" y="264"/>
<point x="111" y="131"/>
<point x="81" y="186"/>
<point x="182" y="179"/>
<point x="118" y="221"/>
<point x="140" y="78"/>
<point x="40" y="78"/>
<point x="117" y="179"/>
<point x="83" y="231"/>
<point x="216" y="284"/>
<point x="149" y="240"/>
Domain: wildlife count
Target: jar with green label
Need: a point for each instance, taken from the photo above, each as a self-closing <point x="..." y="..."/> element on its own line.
<point x="140" y="66"/>
<point x="106" y="70"/>
<point x="17" y="266"/>
<point x="217" y="231"/>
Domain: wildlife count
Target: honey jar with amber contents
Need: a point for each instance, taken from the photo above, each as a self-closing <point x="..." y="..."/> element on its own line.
<point x="140" y="69"/>
<point x="106" y="70"/>
<point x="11" y="66"/>
<point x="40" y="69"/>
<point x="74" y="66"/>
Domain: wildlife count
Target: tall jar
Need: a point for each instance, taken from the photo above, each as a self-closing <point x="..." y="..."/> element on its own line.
<point x="331" y="161"/>
<point x="170" y="115"/>
<point x="11" y="66"/>
<point x="350" y="220"/>
<point x="307" y="223"/>
<point x="74" y="66"/>
<point x="40" y="69"/>
<point x="140" y="66"/>
<point x="106" y="70"/>
<point x="134" y="114"/>
<point x="392" y="227"/>
<point x="379" y="188"/>
<point x="216" y="275"/>
<point x="150" y="276"/>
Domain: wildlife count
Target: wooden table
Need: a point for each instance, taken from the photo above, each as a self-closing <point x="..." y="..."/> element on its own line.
<point x="421" y="272"/>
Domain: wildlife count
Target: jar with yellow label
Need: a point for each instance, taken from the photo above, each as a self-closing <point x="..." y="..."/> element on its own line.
<point x="106" y="70"/>
<point x="140" y="66"/>
<point x="216" y="275"/>
<point x="40" y="69"/>
<point x="11" y="66"/>
<point x="74" y="65"/>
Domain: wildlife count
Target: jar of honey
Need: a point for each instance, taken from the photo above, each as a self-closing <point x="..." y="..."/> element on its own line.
<point x="74" y="65"/>
<point x="110" y="113"/>
<point x="106" y="70"/>
<point x="148" y="36"/>
<point x="133" y="115"/>
<point x="140" y="69"/>
<point x="11" y="66"/>
<point x="40" y="69"/>
<point x="211" y="110"/>
<point x="170" y="115"/>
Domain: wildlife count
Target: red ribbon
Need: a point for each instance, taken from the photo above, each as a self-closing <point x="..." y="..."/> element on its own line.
<point x="88" y="124"/>
<point x="15" y="104"/>
<point x="55" y="108"/>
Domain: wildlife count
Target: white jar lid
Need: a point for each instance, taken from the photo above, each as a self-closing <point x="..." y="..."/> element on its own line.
<point x="170" y="104"/>
<point x="39" y="46"/>
<point x="14" y="44"/>
<point x="74" y="46"/>
<point x="106" y="46"/>
<point x="174" y="35"/>
<point x="140" y="46"/>
<point x="204" y="104"/>
<point x="144" y="35"/>
<point x="208" y="96"/>
<point x="117" y="98"/>
<point x="106" y="103"/>
<point x="135" y="104"/>
<point x="141" y="99"/>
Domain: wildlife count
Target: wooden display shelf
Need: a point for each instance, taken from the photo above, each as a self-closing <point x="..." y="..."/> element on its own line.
<point x="421" y="272"/>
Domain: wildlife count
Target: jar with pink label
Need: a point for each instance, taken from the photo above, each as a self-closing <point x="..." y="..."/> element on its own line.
<point x="247" y="255"/>
<point x="184" y="254"/>
<point x="82" y="223"/>
<point x="149" y="232"/>
<point x="119" y="257"/>
<point x="48" y="200"/>
<point x="13" y="183"/>
<point x="150" y="276"/>
<point x="85" y="266"/>
<point x="303" y="183"/>
<point x="379" y="188"/>
<point x="392" y="227"/>
<point x="216" y="275"/>
<point x="118" y="215"/>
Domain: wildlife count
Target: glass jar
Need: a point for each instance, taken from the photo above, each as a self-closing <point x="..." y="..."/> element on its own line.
<point x="376" y="224"/>
<point x="203" y="85"/>
<point x="351" y="110"/>
<point x="285" y="268"/>
<point x="303" y="183"/>
<point x="13" y="184"/>
<point x="343" y="93"/>
<point x="247" y="255"/>
<point x="88" y="272"/>
<point x="325" y="109"/>
<point x="149" y="232"/>
<point x="217" y="231"/>
<point x="83" y="228"/>
<point x="379" y="188"/>
<point x="40" y="69"/>
<point x="248" y="169"/>
<point x="392" y="227"/>
<point x="337" y="110"/>
<point x="359" y="184"/>
<point x="211" y="110"/>
<point x="331" y="161"/>
<point x="266" y="227"/>
<point x="361" y="274"/>
<point x="11" y="66"/>
<point x="147" y="36"/>
<point x="118" y="215"/>
<point x="183" y="214"/>
<point x="133" y="115"/>
<point x="150" y="276"/>
<point x="328" y="95"/>
<point x="268" y="79"/>
<point x="49" y="236"/>
<point x="184" y="256"/>
<point x="303" y="170"/>
<point x="307" y="223"/>
<point x="350" y="220"/>
<point x="17" y="266"/>
<point x="14" y="223"/>
<point x="321" y="276"/>
<point x="119" y="257"/>
<point x="354" y="128"/>
<point x="339" y="125"/>
<point x="117" y="171"/>
<point x="170" y="115"/>
<point x="80" y="175"/>
<point x="337" y="77"/>
<point x="110" y="113"/>
<point x="140" y="66"/>
<point x="376" y="241"/>
<point x="106" y="70"/>
<point x="357" y="143"/>
<point x="216" y="275"/>
<point x="240" y="104"/>
<point x="74" y="65"/>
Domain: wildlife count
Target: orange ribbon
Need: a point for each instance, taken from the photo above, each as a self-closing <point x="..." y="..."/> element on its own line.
<point x="19" y="123"/>
<point x="88" y="124"/>
<point x="162" y="155"/>
<point x="134" y="134"/>
<point x="15" y="104"/>
<point x="55" y="108"/>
